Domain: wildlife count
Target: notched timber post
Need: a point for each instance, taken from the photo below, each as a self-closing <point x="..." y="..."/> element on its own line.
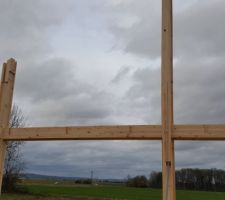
<point x="168" y="160"/>
<point x="6" y="95"/>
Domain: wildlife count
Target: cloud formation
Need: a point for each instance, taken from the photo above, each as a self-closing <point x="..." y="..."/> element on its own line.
<point x="98" y="62"/>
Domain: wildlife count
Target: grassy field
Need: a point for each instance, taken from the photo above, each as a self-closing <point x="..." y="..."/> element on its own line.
<point x="66" y="191"/>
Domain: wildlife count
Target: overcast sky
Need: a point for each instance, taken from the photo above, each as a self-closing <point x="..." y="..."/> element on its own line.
<point x="98" y="62"/>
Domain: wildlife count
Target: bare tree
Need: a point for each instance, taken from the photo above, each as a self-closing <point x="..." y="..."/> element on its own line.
<point x="13" y="161"/>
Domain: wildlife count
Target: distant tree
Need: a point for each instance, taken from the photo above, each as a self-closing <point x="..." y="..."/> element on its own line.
<point x="13" y="161"/>
<point x="155" y="180"/>
<point x="193" y="179"/>
<point x="137" y="181"/>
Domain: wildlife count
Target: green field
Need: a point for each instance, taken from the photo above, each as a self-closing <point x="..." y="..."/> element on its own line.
<point x="52" y="192"/>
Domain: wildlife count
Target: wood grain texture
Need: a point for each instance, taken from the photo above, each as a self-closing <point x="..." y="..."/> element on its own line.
<point x="134" y="132"/>
<point x="6" y="95"/>
<point x="129" y="132"/>
<point x="168" y="159"/>
<point x="199" y="132"/>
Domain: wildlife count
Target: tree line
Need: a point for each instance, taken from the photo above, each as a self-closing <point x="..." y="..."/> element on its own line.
<point x="186" y="179"/>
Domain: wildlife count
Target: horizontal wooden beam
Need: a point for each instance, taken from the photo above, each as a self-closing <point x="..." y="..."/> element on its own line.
<point x="199" y="132"/>
<point x="129" y="132"/>
<point x="134" y="132"/>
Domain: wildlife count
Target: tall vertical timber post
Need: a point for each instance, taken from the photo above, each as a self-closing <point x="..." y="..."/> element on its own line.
<point x="6" y="95"/>
<point x="168" y="159"/>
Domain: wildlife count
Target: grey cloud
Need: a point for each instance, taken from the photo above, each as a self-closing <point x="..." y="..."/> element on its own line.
<point x="58" y="97"/>
<point x="143" y="97"/>
<point x="121" y="74"/>
<point x="183" y="147"/>
<point x="198" y="30"/>
<point x="46" y="85"/>
<point x="143" y="36"/>
<point x="25" y="27"/>
<point x="73" y="110"/>
<point x="209" y="155"/>
<point x="106" y="159"/>
<point x="199" y="92"/>
<point x="50" y="79"/>
<point x="90" y="108"/>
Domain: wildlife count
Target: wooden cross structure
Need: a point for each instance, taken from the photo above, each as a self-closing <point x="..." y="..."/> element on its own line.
<point x="167" y="132"/>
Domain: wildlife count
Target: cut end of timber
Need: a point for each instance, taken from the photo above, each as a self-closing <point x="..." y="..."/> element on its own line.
<point x="9" y="69"/>
<point x="11" y="60"/>
<point x="11" y="63"/>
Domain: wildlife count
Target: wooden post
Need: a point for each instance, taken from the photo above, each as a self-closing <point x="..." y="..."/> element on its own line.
<point x="168" y="160"/>
<point x="6" y="95"/>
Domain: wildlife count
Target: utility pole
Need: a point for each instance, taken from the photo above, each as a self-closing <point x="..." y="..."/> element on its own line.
<point x="92" y="175"/>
